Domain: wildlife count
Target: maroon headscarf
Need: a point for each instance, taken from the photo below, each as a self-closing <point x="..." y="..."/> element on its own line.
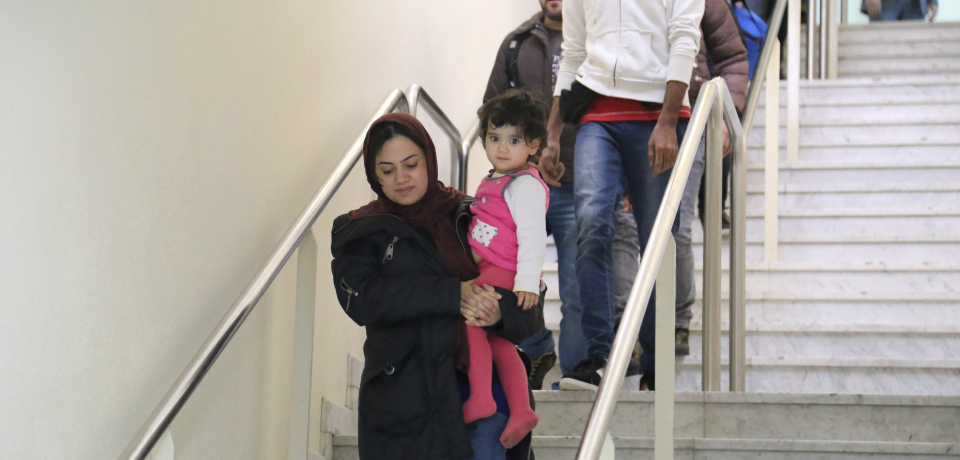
<point x="434" y="212"/>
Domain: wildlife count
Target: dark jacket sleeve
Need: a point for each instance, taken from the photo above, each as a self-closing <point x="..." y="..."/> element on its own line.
<point x="498" y="82"/>
<point x="516" y="324"/>
<point x="370" y="298"/>
<point x="726" y="50"/>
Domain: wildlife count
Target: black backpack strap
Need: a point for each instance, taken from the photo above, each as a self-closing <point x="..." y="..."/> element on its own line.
<point x="513" y="51"/>
<point x="744" y="35"/>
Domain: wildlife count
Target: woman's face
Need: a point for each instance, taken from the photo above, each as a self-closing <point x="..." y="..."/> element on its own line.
<point x="402" y="171"/>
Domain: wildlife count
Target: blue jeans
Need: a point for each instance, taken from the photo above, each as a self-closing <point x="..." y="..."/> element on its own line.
<point x="604" y="152"/>
<point x="686" y="282"/>
<point x="485" y="440"/>
<point x="562" y="223"/>
<point x="900" y="10"/>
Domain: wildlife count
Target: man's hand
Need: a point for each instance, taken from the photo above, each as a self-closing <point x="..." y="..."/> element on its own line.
<point x="874" y="9"/>
<point x="664" y="145"/>
<point x="550" y="167"/>
<point x="527" y="300"/>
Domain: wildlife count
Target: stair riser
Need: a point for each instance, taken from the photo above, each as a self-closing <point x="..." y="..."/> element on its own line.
<point x="566" y="453"/>
<point x="945" y="282"/>
<point x="868" y="114"/>
<point x="927" y="153"/>
<point x="850" y="380"/>
<point x="819" y="136"/>
<point x="898" y="50"/>
<point x="865" y="175"/>
<point x="867" y="95"/>
<point x="814" y="252"/>
<point x="761" y="421"/>
<point x="755" y="201"/>
<point x="860" y="225"/>
<point x="794" y="314"/>
<point x="921" y="36"/>
<point x="913" y="66"/>
<point x="845" y="345"/>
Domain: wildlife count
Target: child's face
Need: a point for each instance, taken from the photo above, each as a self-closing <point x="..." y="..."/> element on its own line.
<point x="507" y="150"/>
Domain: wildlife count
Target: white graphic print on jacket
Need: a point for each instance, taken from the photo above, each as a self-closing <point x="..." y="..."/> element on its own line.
<point x="484" y="233"/>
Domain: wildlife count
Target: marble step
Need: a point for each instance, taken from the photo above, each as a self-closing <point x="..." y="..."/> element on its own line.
<point x="879" y="50"/>
<point x="860" y="195"/>
<point x="835" y="376"/>
<point x="805" y="171"/>
<point x="631" y="448"/>
<point x="896" y="33"/>
<point x="833" y="247"/>
<point x="763" y="416"/>
<point x="874" y="90"/>
<point x="833" y="276"/>
<point x="867" y="135"/>
<point x="816" y="341"/>
<point x="906" y="66"/>
<point x="555" y="448"/>
<point x="858" y="221"/>
<point x="865" y="153"/>
<point x="865" y="115"/>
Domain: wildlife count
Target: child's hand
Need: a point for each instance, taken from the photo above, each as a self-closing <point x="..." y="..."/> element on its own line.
<point x="527" y="300"/>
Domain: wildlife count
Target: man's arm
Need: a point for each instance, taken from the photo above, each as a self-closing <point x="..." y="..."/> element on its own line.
<point x="550" y="167"/>
<point x="726" y="50"/>
<point x="499" y="81"/>
<point x="664" y="145"/>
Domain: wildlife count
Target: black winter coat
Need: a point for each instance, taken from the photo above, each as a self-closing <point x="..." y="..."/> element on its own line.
<point x="391" y="279"/>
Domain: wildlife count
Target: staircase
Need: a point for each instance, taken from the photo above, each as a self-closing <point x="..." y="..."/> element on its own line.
<point x="853" y="335"/>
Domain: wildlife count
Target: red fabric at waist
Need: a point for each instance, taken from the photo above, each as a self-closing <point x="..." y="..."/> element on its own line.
<point x="606" y="108"/>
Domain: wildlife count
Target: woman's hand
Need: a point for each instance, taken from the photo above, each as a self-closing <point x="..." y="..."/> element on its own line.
<point x="527" y="300"/>
<point x="479" y="305"/>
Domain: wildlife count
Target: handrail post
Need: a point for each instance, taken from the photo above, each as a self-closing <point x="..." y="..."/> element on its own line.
<point x="793" y="80"/>
<point x="812" y="38"/>
<point x="833" y="39"/>
<point x="712" y="246"/>
<point x="470" y="138"/>
<point x="771" y="189"/>
<point x="824" y="28"/>
<point x="665" y="366"/>
<point x="738" y="264"/>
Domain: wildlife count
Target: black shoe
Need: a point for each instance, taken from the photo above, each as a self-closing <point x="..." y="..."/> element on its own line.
<point x="538" y="369"/>
<point x="725" y="224"/>
<point x="648" y="382"/>
<point x="586" y="376"/>
<point x="683" y="341"/>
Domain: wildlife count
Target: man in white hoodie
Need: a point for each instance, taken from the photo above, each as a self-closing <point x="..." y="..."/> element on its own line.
<point x="624" y="74"/>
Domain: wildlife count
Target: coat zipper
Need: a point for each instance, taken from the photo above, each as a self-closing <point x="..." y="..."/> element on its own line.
<point x="389" y="254"/>
<point x="350" y="293"/>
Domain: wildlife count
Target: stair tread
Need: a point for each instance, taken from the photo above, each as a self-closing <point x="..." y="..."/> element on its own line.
<point x="769" y="361"/>
<point x="860" y="187"/>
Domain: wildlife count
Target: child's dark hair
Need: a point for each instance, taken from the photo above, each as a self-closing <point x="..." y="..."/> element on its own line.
<point x="518" y="108"/>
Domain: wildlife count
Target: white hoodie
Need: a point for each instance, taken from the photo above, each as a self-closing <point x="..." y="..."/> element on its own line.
<point x="629" y="48"/>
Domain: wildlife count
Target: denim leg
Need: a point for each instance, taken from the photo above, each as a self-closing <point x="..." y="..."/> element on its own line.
<point x="686" y="282"/>
<point x="647" y="192"/>
<point x="562" y="222"/>
<point x="625" y="254"/>
<point x="538" y="344"/>
<point x="485" y="440"/>
<point x="597" y="185"/>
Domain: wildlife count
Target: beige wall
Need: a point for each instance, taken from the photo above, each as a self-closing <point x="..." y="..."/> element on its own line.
<point x="151" y="156"/>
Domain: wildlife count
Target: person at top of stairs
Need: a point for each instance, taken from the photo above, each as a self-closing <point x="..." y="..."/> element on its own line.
<point x="508" y="237"/>
<point x="900" y="10"/>
<point x="402" y="270"/>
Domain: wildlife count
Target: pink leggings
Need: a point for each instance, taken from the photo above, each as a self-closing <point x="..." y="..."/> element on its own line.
<point x="485" y="349"/>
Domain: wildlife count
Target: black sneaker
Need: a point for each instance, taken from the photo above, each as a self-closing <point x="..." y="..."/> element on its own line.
<point x="586" y="376"/>
<point x="538" y="369"/>
<point x="683" y="341"/>
<point x="648" y="382"/>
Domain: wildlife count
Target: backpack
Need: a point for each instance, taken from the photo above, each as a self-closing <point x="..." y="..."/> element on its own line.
<point x="511" y="56"/>
<point x="752" y="35"/>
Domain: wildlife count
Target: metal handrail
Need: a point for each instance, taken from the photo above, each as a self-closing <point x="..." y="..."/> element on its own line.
<point x="712" y="93"/>
<point x="760" y="72"/>
<point x="469" y="139"/>
<point x="204" y="359"/>
<point x="415" y="94"/>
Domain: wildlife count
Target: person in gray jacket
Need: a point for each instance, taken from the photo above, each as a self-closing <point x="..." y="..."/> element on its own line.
<point x="529" y="59"/>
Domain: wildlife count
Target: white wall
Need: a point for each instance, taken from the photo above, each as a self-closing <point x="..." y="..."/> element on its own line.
<point x="151" y="156"/>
